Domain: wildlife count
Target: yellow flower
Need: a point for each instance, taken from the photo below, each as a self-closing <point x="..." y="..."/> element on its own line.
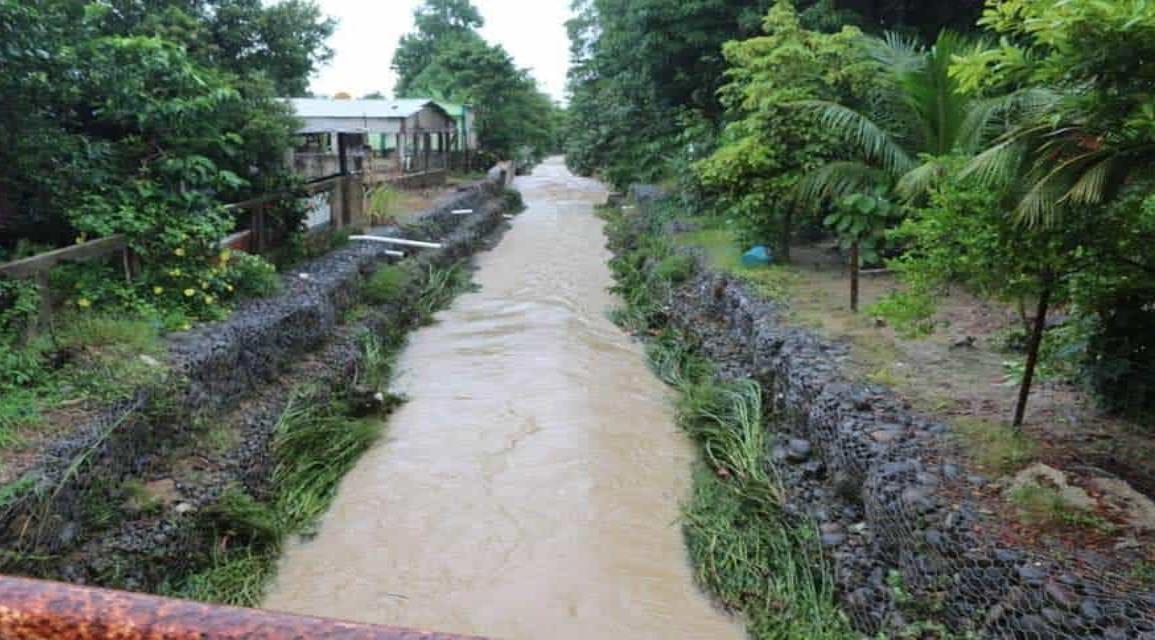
<point x="229" y="287"/>
<point x="225" y="255"/>
<point x="84" y="303"/>
<point x="186" y="326"/>
<point x="204" y="285"/>
<point x="158" y="290"/>
<point x="209" y="299"/>
<point x="82" y="238"/>
<point x="179" y="252"/>
<point x="175" y="273"/>
<point x="190" y="293"/>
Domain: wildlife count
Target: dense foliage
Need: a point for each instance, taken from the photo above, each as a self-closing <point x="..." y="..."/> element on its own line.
<point x="446" y="58"/>
<point x="767" y="147"/>
<point x="1015" y="163"/>
<point x="145" y="119"/>
<point x="642" y="69"/>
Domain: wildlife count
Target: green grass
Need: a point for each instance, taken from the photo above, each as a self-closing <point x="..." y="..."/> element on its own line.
<point x="441" y="286"/>
<point x="759" y="563"/>
<point x="234" y="579"/>
<point x="746" y="552"/>
<point x="315" y="446"/>
<point x="383" y="203"/>
<point x="753" y="558"/>
<point x="724" y="254"/>
<point x="79" y="359"/>
<point x="387" y="285"/>
<point x="1045" y="507"/>
<point x="994" y="445"/>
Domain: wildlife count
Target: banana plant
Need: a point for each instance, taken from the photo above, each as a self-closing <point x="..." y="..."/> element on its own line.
<point x="859" y="221"/>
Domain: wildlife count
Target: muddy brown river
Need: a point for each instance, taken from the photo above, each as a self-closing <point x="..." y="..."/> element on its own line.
<point x="530" y="487"/>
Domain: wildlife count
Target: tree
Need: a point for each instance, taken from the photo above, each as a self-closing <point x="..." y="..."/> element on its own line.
<point x="919" y="117"/>
<point x="860" y="221"/>
<point x="925" y="19"/>
<point x="284" y="41"/>
<point x="965" y="235"/>
<point x="767" y="146"/>
<point x="638" y="67"/>
<point x="132" y="134"/>
<point x="1081" y="163"/>
<point x="446" y="59"/>
<point x="440" y="24"/>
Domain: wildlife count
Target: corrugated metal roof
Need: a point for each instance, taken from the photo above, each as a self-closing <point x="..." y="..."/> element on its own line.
<point x="326" y="108"/>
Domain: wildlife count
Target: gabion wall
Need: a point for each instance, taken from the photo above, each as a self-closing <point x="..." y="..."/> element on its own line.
<point x="909" y="543"/>
<point x="224" y="371"/>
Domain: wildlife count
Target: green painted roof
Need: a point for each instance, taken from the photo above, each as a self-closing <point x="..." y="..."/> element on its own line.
<point x="452" y="108"/>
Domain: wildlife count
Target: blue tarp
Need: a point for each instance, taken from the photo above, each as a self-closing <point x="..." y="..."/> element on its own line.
<point x="757" y="257"/>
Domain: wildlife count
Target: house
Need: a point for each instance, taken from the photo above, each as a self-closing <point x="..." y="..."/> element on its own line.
<point x="384" y="136"/>
<point x="466" y="120"/>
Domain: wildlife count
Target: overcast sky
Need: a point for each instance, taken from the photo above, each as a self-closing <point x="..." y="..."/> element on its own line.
<point x="532" y="31"/>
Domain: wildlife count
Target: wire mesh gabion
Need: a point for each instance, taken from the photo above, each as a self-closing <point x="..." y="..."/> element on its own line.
<point x="915" y="550"/>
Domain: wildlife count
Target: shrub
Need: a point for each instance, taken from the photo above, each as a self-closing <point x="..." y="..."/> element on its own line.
<point x="253" y="276"/>
<point x="512" y="202"/>
<point x="387" y="285"/>
<point x="676" y="268"/>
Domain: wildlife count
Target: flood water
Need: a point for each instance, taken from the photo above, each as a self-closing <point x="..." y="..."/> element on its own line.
<point x="530" y="487"/>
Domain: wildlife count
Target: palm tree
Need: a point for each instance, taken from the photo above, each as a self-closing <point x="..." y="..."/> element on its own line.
<point x="904" y="132"/>
<point x="904" y="136"/>
<point x="1059" y="162"/>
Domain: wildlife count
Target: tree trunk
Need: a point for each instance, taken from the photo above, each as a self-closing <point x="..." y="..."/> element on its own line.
<point x="1033" y="355"/>
<point x="787" y="231"/>
<point x="854" y="269"/>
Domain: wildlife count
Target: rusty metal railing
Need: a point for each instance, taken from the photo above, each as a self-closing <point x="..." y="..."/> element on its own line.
<point x="38" y="610"/>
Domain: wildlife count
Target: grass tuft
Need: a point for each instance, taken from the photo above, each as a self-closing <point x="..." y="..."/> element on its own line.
<point x="235" y="579"/>
<point x="1045" y="507"/>
<point x="995" y="445"/>
<point x="756" y="561"/>
<point x="387" y="285"/>
<point x="315" y="445"/>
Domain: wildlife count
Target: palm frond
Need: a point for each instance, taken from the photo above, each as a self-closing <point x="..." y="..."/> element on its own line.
<point x="835" y="180"/>
<point x="997" y="165"/>
<point x="874" y="143"/>
<point x="988" y="118"/>
<point x="1093" y="187"/>
<point x="1043" y="202"/>
<point x="896" y="52"/>
<point x="918" y="181"/>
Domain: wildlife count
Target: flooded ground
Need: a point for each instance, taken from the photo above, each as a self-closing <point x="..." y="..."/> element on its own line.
<point x="530" y="487"/>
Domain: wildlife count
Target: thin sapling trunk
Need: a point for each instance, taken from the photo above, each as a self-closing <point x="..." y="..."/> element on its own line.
<point x="1033" y="347"/>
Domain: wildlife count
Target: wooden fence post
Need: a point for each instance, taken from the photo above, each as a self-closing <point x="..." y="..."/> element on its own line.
<point x="44" y="313"/>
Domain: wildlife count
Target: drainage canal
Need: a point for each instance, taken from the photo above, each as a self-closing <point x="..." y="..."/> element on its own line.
<point x="530" y="486"/>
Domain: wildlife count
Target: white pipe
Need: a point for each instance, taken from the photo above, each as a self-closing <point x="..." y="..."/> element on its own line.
<point x="398" y="241"/>
<point x="462" y="212"/>
<point x="395" y="254"/>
